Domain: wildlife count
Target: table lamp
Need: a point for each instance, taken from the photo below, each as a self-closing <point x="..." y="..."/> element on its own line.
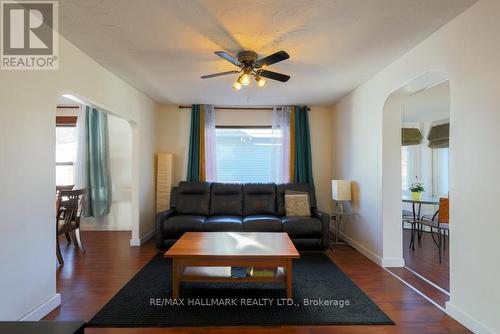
<point x="341" y="192"/>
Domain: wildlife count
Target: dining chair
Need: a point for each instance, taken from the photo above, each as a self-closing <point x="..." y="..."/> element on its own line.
<point x="64" y="187"/>
<point x="441" y="225"/>
<point x="409" y="219"/>
<point x="59" y="188"/>
<point x="69" y="206"/>
<point x="413" y="218"/>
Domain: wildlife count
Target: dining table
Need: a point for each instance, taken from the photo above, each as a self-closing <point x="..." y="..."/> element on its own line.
<point x="416" y="210"/>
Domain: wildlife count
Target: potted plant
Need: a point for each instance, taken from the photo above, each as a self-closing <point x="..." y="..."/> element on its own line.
<point x="417" y="188"/>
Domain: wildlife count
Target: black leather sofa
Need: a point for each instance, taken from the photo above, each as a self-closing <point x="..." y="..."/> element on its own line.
<point x="251" y="207"/>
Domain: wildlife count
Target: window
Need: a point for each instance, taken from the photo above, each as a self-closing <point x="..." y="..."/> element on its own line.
<point x="440" y="172"/>
<point x="65" y="154"/>
<point x="410" y="165"/>
<point x="245" y="154"/>
<point x="429" y="166"/>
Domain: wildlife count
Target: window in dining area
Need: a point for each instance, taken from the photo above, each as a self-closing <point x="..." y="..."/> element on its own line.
<point x="410" y="165"/>
<point x="440" y="172"/>
<point x="429" y="166"/>
<point x="65" y="152"/>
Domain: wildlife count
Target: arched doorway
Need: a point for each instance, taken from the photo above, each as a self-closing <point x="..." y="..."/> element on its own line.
<point x="124" y="169"/>
<point x="417" y="107"/>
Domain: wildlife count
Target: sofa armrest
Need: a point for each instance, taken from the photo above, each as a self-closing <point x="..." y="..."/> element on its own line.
<point x="325" y="226"/>
<point x="160" y="220"/>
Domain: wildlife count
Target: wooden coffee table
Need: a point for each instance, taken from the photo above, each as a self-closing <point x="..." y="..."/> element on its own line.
<point x="208" y="257"/>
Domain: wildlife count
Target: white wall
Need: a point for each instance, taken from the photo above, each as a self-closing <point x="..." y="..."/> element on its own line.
<point x="120" y="165"/>
<point x="172" y="128"/>
<point x="172" y="136"/>
<point x="27" y="170"/>
<point x="321" y="146"/>
<point x="467" y="49"/>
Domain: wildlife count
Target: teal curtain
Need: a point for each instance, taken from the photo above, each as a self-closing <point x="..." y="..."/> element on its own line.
<point x="98" y="200"/>
<point x="302" y="146"/>
<point x="193" y="170"/>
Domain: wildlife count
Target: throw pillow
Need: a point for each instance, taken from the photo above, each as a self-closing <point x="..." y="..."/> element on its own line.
<point x="297" y="204"/>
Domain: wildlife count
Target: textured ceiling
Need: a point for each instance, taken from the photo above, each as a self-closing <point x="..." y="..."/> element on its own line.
<point x="162" y="47"/>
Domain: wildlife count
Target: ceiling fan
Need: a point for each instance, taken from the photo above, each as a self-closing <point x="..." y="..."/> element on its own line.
<point x="251" y="66"/>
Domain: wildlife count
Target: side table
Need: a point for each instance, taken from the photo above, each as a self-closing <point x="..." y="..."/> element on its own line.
<point x="336" y="216"/>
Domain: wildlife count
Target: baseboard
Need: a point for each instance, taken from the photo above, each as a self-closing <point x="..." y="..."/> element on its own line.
<point x="465" y="320"/>
<point x="44" y="309"/>
<point x="140" y="241"/>
<point x="360" y="248"/>
<point x="393" y="262"/>
<point x="100" y="228"/>
<point x="383" y="262"/>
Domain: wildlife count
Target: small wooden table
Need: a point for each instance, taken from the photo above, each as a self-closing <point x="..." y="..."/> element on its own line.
<point x="208" y="257"/>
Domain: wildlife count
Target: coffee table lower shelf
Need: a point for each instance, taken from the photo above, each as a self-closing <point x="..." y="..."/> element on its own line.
<point x="183" y="271"/>
<point x="223" y="274"/>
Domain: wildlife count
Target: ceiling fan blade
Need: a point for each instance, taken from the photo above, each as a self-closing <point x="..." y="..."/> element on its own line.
<point x="272" y="59"/>
<point x="274" y="75"/>
<point x="208" y="76"/>
<point x="228" y="57"/>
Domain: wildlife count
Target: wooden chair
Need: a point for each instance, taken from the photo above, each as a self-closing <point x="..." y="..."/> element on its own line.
<point x="65" y="187"/>
<point x="441" y="225"/>
<point x="69" y="206"/>
<point x="58" y="190"/>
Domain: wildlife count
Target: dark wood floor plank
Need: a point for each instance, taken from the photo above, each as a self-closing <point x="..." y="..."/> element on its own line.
<point x="425" y="260"/>
<point x="87" y="281"/>
<point x="427" y="289"/>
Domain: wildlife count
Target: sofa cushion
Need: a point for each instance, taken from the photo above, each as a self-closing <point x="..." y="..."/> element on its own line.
<point x="262" y="223"/>
<point x="223" y="224"/>
<point x="226" y="199"/>
<point x="301" y="227"/>
<point x="176" y="226"/>
<point x="259" y="199"/>
<point x="301" y="187"/>
<point x="193" y="198"/>
<point x="297" y="204"/>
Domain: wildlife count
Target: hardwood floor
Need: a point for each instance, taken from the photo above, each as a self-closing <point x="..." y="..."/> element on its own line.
<point x="87" y="281"/>
<point x="431" y="292"/>
<point x="425" y="260"/>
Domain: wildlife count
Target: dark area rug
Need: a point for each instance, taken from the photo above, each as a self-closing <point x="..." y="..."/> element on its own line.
<point x="323" y="295"/>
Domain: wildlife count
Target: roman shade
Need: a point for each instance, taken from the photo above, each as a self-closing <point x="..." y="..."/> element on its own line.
<point x="410" y="136"/>
<point x="439" y="136"/>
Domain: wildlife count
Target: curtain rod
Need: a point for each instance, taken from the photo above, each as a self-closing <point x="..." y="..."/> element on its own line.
<point x="233" y="108"/>
<point x="65" y="106"/>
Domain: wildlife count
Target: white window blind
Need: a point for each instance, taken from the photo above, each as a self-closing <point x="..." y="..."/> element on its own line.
<point x="245" y="155"/>
<point x="410" y="166"/>
<point x="440" y="172"/>
<point x="65" y="154"/>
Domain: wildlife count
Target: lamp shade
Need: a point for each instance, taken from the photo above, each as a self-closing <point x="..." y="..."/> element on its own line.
<point x="341" y="190"/>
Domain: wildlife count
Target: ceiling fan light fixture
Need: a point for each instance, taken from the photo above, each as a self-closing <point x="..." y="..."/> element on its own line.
<point x="244" y="79"/>
<point x="261" y="82"/>
<point x="237" y="85"/>
<point x="251" y="67"/>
